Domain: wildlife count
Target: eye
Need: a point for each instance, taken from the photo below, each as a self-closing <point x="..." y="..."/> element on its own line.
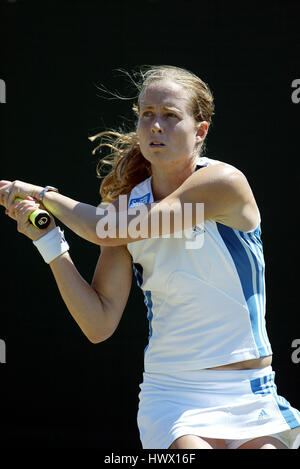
<point x="147" y="114"/>
<point x="172" y="115"/>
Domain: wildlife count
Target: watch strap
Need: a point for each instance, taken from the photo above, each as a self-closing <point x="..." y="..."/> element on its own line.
<point x="46" y="189"/>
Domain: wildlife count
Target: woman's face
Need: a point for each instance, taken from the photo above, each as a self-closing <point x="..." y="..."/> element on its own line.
<point x="167" y="130"/>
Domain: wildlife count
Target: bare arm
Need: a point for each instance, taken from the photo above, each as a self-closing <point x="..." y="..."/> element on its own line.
<point x="79" y="217"/>
<point x="224" y="191"/>
<point x="97" y="308"/>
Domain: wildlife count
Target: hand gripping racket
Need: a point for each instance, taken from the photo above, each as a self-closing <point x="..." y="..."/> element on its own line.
<point x="39" y="218"/>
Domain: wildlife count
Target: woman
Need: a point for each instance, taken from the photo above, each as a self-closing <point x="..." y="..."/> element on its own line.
<point x="208" y="380"/>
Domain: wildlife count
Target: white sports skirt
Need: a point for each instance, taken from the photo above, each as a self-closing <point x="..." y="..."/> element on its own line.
<point x="234" y="405"/>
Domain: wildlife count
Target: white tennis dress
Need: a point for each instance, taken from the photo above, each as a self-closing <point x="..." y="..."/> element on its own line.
<point x="206" y="308"/>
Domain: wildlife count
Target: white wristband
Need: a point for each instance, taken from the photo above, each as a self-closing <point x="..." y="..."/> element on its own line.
<point x="52" y="244"/>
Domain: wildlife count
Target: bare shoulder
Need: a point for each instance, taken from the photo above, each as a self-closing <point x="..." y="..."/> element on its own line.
<point x="220" y="178"/>
<point x="222" y="172"/>
<point x="235" y="179"/>
<point x="244" y="213"/>
<point x="227" y="196"/>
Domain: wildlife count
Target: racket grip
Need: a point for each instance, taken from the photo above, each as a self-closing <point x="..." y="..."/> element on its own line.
<point x="39" y="218"/>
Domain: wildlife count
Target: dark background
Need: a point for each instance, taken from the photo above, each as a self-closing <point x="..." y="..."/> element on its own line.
<point x="57" y="389"/>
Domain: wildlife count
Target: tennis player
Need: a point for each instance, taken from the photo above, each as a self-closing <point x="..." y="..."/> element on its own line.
<point x="208" y="380"/>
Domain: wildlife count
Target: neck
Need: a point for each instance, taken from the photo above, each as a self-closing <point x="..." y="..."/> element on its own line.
<point x="167" y="179"/>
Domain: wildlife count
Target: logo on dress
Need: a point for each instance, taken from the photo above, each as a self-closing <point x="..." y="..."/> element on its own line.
<point x="145" y="199"/>
<point x="263" y="415"/>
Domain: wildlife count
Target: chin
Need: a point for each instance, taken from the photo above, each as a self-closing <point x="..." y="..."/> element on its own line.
<point x="160" y="159"/>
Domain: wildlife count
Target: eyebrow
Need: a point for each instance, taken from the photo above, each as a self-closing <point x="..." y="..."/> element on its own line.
<point x="171" y="108"/>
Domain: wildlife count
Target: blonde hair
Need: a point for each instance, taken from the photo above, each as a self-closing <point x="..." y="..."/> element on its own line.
<point x="129" y="167"/>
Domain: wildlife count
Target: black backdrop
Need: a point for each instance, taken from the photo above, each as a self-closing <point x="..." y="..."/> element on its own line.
<point x="57" y="389"/>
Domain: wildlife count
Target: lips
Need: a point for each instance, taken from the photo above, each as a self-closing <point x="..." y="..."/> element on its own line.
<point x="156" y="144"/>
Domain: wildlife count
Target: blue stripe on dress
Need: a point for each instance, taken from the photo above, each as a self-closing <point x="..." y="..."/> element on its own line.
<point x="255" y="251"/>
<point x="263" y="385"/>
<point x="244" y="250"/>
<point x="290" y="415"/>
<point x="138" y="271"/>
<point x="266" y="385"/>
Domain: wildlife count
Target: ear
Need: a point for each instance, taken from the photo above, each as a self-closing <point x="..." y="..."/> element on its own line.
<point x="201" y="131"/>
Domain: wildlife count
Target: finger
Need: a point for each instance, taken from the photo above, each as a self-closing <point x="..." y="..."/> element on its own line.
<point x="22" y="219"/>
<point x="21" y="205"/>
<point x="23" y="211"/>
<point x="24" y="226"/>
<point x="11" y="195"/>
<point x="4" y="189"/>
<point x="22" y="190"/>
<point x="4" y="183"/>
<point x="20" y="208"/>
<point x="13" y="212"/>
<point x="10" y="211"/>
<point x="5" y="194"/>
<point x="10" y="214"/>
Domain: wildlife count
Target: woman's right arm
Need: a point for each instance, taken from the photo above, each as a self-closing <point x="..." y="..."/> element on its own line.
<point x="97" y="308"/>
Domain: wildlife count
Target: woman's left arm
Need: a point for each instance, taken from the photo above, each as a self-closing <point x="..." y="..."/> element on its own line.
<point x="222" y="190"/>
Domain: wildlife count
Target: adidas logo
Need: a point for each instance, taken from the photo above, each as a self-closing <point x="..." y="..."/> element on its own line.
<point x="263" y="414"/>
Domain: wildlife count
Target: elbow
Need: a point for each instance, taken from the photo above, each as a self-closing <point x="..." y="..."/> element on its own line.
<point x="102" y="328"/>
<point x="94" y="340"/>
<point x="97" y="339"/>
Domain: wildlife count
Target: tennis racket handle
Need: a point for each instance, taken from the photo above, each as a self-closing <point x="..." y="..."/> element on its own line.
<point x="39" y="218"/>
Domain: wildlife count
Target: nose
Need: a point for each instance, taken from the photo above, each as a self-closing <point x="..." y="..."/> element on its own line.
<point x="156" y="127"/>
